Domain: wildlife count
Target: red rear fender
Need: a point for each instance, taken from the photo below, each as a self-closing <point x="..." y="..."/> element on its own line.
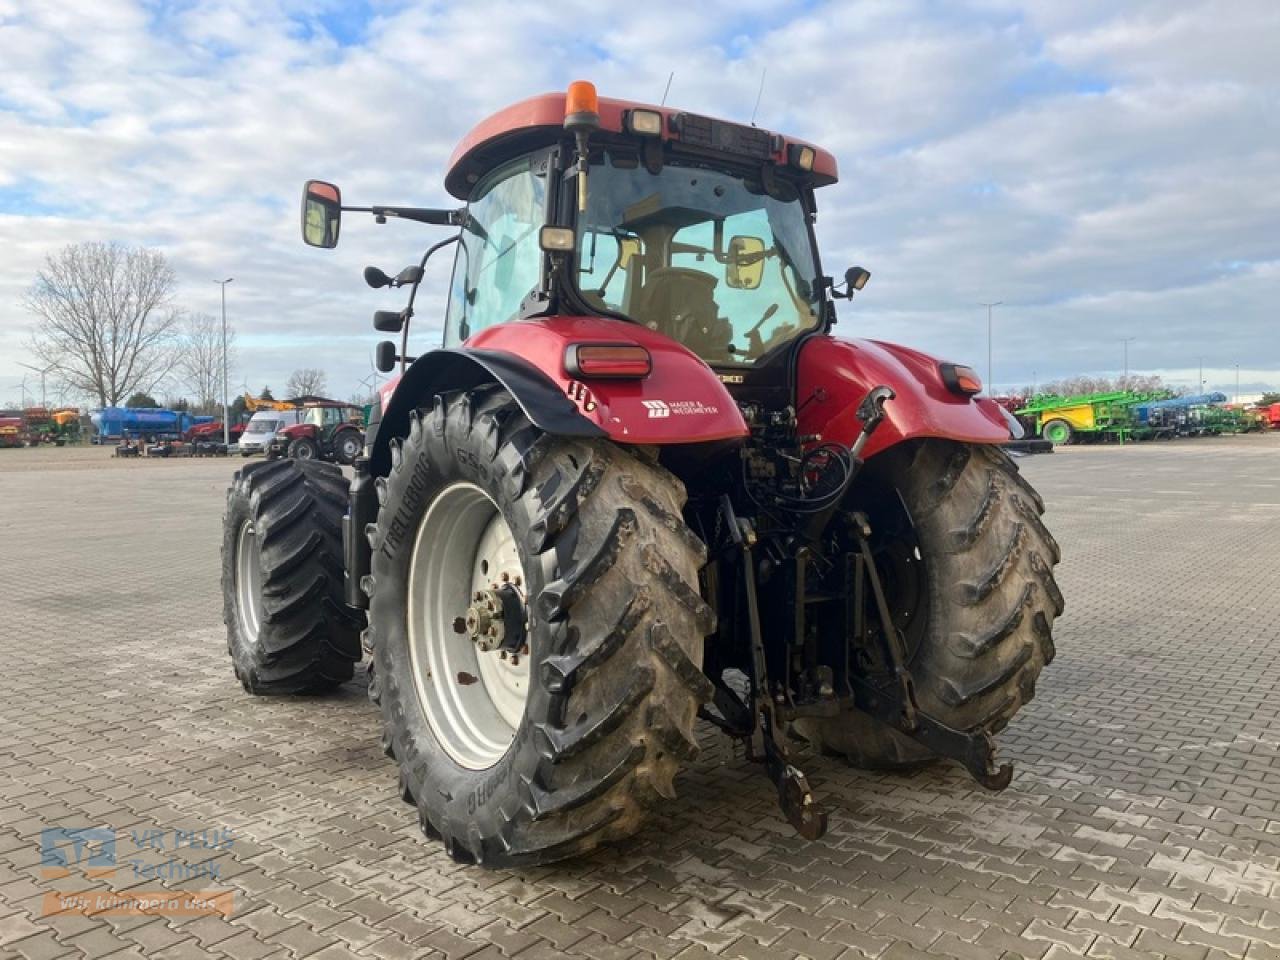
<point x="681" y="401"/>
<point x="835" y="375"/>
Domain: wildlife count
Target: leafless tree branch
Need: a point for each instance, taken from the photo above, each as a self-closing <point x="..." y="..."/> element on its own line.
<point x="106" y="323"/>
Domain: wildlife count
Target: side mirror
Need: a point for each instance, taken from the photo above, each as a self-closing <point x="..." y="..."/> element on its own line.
<point x="384" y="356"/>
<point x="746" y="263"/>
<point x="855" y="278"/>
<point x="388" y="321"/>
<point x="321" y="214"/>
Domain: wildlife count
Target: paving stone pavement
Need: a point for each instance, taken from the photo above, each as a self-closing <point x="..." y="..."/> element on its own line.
<point x="1143" y="819"/>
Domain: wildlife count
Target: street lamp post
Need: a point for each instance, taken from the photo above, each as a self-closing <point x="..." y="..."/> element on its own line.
<point x="226" y="410"/>
<point x="990" y="382"/>
<point x="1126" y="341"/>
<point x="1237" y="384"/>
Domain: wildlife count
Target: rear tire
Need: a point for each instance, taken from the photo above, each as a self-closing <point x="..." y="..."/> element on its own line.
<point x="1058" y="432"/>
<point x="615" y="636"/>
<point x="988" y="599"/>
<point x="289" y="629"/>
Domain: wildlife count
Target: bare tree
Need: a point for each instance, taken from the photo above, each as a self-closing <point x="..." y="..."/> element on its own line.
<point x="200" y="359"/>
<point x="106" y="324"/>
<point x="307" y="381"/>
<point x="1084" y="385"/>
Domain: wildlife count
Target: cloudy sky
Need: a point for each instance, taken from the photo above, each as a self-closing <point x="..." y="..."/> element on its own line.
<point x="1107" y="169"/>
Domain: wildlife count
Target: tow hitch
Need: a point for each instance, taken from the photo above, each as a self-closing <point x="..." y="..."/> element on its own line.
<point x="893" y="700"/>
<point x="794" y="794"/>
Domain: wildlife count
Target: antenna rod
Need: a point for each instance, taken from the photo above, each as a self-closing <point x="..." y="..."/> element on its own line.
<point x="759" y="94"/>
<point x="671" y="76"/>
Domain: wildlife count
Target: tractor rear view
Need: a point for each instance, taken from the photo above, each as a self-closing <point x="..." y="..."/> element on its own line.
<point x="640" y="483"/>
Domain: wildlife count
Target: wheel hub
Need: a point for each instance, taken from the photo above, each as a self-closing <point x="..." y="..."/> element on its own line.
<point x="496" y="619"/>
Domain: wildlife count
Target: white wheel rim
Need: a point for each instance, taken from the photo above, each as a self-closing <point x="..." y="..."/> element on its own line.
<point x="463" y="546"/>
<point x="350" y="447"/>
<point x="248" y="573"/>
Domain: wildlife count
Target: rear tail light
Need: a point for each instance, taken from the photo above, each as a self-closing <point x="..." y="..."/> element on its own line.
<point x="960" y="379"/>
<point x="620" y="361"/>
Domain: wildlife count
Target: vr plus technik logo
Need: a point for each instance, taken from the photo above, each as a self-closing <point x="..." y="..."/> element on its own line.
<point x="92" y="850"/>
<point x="166" y="856"/>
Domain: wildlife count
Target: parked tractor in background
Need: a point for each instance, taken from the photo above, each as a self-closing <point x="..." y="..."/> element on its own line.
<point x="641" y="482"/>
<point x="327" y="430"/>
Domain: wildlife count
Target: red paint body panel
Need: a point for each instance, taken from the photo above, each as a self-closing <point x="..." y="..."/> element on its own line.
<point x="547" y="110"/>
<point x="846" y="369"/>
<point x="295" y="430"/>
<point x="386" y="391"/>
<point x="687" y="403"/>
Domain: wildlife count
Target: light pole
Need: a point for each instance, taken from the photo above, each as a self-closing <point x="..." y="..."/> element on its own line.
<point x="1200" y="382"/>
<point x="1237" y="384"/>
<point x="226" y="411"/>
<point x="990" y="382"/>
<point x="1126" y="341"/>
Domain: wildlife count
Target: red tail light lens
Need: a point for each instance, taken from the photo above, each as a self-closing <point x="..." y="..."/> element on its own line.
<point x="960" y="379"/>
<point x="620" y="361"/>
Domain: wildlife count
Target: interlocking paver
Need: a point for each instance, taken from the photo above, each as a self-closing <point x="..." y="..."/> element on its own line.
<point x="1144" y="819"/>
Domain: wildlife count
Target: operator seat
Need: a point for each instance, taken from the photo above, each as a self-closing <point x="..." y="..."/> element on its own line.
<point x="678" y="302"/>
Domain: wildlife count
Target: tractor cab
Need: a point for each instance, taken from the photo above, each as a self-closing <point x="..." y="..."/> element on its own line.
<point x="694" y="228"/>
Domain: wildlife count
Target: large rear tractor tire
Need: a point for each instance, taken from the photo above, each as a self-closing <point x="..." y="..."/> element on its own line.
<point x="289" y="629"/>
<point x="969" y="568"/>
<point x="574" y="554"/>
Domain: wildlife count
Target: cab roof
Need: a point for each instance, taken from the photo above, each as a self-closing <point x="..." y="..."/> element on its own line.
<point x="539" y="120"/>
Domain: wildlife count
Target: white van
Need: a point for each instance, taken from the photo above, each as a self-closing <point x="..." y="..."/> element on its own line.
<point x="262" y="429"/>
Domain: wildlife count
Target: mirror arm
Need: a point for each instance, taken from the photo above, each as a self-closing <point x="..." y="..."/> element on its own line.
<point x="404" y="335"/>
<point x="440" y="218"/>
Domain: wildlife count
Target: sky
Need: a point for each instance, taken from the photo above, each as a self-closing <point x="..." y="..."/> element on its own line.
<point x="1107" y="170"/>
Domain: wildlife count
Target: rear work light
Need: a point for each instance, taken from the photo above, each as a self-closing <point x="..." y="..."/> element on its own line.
<point x="799" y="155"/>
<point x="616" y="361"/>
<point x="960" y="379"/>
<point x="647" y="123"/>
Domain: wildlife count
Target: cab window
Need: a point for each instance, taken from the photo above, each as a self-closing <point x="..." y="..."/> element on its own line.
<point x="499" y="260"/>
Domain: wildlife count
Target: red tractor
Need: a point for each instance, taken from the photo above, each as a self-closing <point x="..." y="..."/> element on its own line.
<point x="641" y="483"/>
<point x="329" y="430"/>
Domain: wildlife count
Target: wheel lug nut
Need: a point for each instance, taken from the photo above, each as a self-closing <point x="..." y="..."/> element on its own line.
<point x="506" y="577"/>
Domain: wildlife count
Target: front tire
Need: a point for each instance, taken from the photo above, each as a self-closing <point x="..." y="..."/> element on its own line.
<point x="984" y="601"/>
<point x="289" y="629"/>
<point x="615" y="632"/>
<point x="347" y="447"/>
